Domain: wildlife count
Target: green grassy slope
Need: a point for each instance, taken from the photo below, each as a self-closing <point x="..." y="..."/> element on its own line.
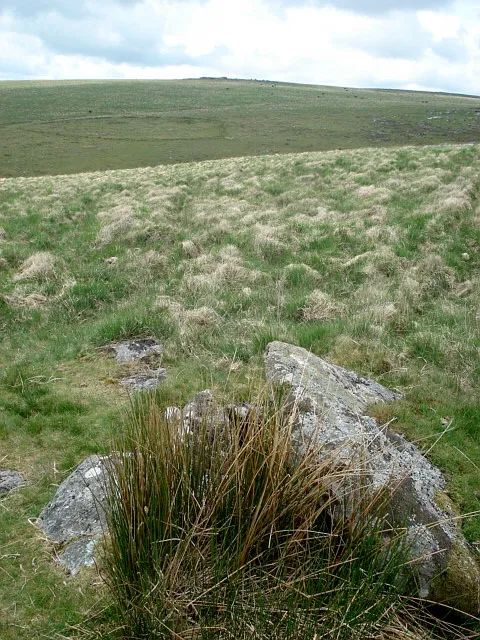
<point x="370" y="258"/>
<point x="68" y="127"/>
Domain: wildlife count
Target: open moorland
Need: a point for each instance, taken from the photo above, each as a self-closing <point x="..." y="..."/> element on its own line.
<point x="368" y="257"/>
<point x="72" y="126"/>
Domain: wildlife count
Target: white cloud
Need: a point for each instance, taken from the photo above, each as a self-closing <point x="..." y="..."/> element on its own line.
<point x="338" y="42"/>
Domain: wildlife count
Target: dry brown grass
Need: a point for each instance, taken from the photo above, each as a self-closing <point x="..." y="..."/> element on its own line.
<point x="190" y="249"/>
<point x="21" y="300"/>
<point x="118" y="224"/>
<point x="39" y="266"/>
<point x="321" y="306"/>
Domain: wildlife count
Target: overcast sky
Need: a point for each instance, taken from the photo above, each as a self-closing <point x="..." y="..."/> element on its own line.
<point x="408" y="44"/>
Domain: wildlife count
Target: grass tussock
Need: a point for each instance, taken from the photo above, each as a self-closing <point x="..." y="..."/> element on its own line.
<point x="321" y="306"/>
<point x="39" y="266"/>
<point x="218" y="529"/>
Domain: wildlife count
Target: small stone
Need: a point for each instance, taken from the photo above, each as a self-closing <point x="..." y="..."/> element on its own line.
<point x="203" y="408"/>
<point x="466" y="256"/>
<point x="77" y="555"/>
<point x="145" y="381"/>
<point x="132" y="350"/>
<point x="111" y="261"/>
<point x="9" y="480"/>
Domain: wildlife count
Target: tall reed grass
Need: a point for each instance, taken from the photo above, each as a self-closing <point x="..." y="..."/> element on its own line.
<point x="218" y="529"/>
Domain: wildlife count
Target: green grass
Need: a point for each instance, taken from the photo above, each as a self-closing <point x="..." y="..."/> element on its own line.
<point x="72" y="126"/>
<point x="369" y="258"/>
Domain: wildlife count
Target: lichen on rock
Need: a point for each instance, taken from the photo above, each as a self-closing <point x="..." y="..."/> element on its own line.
<point x="331" y="407"/>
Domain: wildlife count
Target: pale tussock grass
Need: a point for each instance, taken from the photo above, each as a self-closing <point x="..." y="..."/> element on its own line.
<point x="268" y="239"/>
<point x="384" y="233"/>
<point x="380" y="194"/>
<point x="224" y="276"/>
<point x="153" y="260"/>
<point x="188" y="319"/>
<point x="430" y="181"/>
<point x="319" y="305"/>
<point x="211" y="210"/>
<point x="374" y="298"/>
<point x="456" y="196"/>
<point x="375" y="213"/>
<point x="382" y="261"/>
<point x="118" y="223"/>
<point x="39" y="266"/>
<point x="21" y="299"/>
<point x="230" y="253"/>
<point x="39" y="295"/>
<point x="190" y="249"/>
<point x="215" y="272"/>
<point x="432" y="275"/>
<point x="476" y="217"/>
<point x="303" y="269"/>
<point x="318" y="215"/>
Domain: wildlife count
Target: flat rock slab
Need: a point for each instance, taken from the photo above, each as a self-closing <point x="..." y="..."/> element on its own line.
<point x="144" y="380"/>
<point x="133" y="350"/>
<point x="77" y="555"/>
<point x="330" y="405"/>
<point x="9" y="480"/>
<point x="78" y="506"/>
<point x="75" y="518"/>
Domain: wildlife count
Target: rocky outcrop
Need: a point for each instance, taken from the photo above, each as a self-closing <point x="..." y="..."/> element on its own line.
<point x="146" y="353"/>
<point x="330" y="406"/>
<point x="75" y="519"/>
<point x="9" y="480"/>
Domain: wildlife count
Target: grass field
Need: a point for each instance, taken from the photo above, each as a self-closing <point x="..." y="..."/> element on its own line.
<point x="368" y="257"/>
<point x="68" y="127"/>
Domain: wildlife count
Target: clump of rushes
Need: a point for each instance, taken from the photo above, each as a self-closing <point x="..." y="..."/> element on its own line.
<point x="222" y="531"/>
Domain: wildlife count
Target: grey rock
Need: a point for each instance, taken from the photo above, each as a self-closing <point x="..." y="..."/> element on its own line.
<point x="133" y="350"/>
<point x="145" y="381"/>
<point x="9" y="480"/>
<point x="78" y="554"/>
<point x="75" y="518"/>
<point x="330" y="407"/>
<point x="202" y="409"/>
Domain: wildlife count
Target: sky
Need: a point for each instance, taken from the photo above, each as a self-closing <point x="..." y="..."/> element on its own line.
<point x="409" y="44"/>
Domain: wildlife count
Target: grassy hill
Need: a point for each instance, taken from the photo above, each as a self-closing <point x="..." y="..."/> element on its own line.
<point x="367" y="257"/>
<point x="72" y="126"/>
